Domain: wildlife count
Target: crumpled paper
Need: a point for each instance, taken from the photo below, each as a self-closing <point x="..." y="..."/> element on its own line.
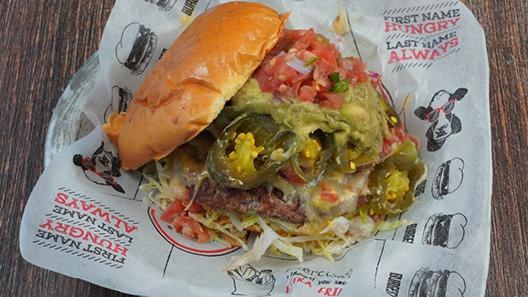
<point x="85" y="217"/>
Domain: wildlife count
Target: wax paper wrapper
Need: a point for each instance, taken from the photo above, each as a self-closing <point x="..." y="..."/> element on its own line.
<point x="85" y="217"/>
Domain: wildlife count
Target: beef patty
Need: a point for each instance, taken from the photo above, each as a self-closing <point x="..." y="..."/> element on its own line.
<point x="259" y="200"/>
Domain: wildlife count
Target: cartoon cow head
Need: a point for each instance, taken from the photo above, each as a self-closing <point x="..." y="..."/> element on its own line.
<point x="439" y="114"/>
<point x="100" y="168"/>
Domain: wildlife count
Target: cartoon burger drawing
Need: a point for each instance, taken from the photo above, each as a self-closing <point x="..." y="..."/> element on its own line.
<point x="445" y="230"/>
<point x="120" y="99"/>
<point x="136" y="46"/>
<point x="438" y="283"/>
<point x="448" y="178"/>
<point x="163" y="4"/>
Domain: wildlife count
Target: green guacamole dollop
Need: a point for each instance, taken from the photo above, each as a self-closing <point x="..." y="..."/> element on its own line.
<point x="360" y="121"/>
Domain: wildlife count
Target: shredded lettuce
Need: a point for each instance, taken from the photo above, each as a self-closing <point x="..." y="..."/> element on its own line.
<point x="216" y="226"/>
<point x="261" y="244"/>
<point x="236" y="221"/>
<point x="390" y="225"/>
<point x="161" y="187"/>
<point x="289" y="249"/>
<point x="280" y="224"/>
<point x="337" y="247"/>
<point x="323" y="251"/>
<point x="250" y="221"/>
<point x="267" y="238"/>
<point x="361" y="228"/>
<point x="306" y="238"/>
<point x="340" y="226"/>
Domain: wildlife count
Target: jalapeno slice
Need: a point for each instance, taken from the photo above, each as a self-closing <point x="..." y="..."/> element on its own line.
<point x="227" y="116"/>
<point x="347" y="158"/>
<point x="250" y="149"/>
<point x="393" y="181"/>
<point x="311" y="163"/>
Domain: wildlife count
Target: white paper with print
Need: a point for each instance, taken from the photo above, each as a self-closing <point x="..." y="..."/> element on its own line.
<point x="85" y="217"/>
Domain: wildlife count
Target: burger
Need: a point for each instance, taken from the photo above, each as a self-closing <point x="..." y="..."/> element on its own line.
<point x="437" y="283"/>
<point x="119" y="101"/>
<point x="445" y="230"/>
<point x="136" y="47"/>
<point x="163" y="4"/>
<point x="448" y="178"/>
<point x="247" y="127"/>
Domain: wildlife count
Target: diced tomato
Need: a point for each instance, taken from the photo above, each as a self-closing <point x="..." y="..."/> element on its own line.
<point x="388" y="142"/>
<point x="325" y="186"/>
<point x="329" y="197"/>
<point x="324" y="68"/>
<point x="362" y="76"/>
<point x="355" y="71"/>
<point x="331" y="100"/>
<point x="177" y="225"/>
<point x="396" y="135"/>
<point x="387" y="147"/>
<point x="270" y="85"/>
<point x="174" y="209"/>
<point x="327" y="59"/>
<point x="300" y="78"/>
<point x="357" y="64"/>
<point x="345" y="64"/>
<point x="327" y="194"/>
<point x="196" y="208"/>
<point x="296" y="89"/>
<point x="321" y="82"/>
<point x="280" y="67"/>
<point x="179" y="218"/>
<point x="203" y="237"/>
<point x="305" y="40"/>
<point x="401" y="133"/>
<point x="186" y="221"/>
<point x="307" y="93"/>
<point x="187" y="231"/>
<point x="189" y="227"/>
<point x="292" y="176"/>
<point x="287" y="74"/>
<point x="307" y="56"/>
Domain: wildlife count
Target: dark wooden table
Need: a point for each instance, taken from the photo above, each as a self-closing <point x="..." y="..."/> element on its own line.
<point x="44" y="42"/>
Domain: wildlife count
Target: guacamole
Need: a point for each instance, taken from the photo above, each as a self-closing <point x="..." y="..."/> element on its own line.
<point x="360" y="122"/>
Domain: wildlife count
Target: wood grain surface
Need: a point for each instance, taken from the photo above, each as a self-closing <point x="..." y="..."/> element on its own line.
<point x="44" y="42"/>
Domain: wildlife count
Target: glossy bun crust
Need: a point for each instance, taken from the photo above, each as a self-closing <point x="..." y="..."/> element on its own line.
<point x="208" y="63"/>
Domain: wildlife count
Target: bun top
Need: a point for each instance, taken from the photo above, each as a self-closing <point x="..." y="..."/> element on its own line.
<point x="206" y="65"/>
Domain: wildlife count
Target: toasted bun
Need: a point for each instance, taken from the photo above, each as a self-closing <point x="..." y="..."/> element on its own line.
<point x="187" y="89"/>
